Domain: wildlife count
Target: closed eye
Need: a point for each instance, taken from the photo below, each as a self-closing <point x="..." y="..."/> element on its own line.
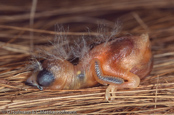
<point x="45" y="78"/>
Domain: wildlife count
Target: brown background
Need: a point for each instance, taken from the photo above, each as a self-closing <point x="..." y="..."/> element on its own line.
<point x="156" y="17"/>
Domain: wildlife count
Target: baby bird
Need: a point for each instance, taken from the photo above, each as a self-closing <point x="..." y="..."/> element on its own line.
<point x="119" y="63"/>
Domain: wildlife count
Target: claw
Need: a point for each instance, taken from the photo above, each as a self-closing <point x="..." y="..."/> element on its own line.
<point x="108" y="95"/>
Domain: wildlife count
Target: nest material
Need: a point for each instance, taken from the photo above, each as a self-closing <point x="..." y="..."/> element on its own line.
<point x="17" y="39"/>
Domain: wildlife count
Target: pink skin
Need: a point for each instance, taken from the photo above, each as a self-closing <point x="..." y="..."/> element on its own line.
<point x="128" y="58"/>
<point x="121" y="63"/>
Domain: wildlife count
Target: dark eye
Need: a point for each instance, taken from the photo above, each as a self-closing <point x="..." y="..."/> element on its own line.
<point x="45" y="78"/>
